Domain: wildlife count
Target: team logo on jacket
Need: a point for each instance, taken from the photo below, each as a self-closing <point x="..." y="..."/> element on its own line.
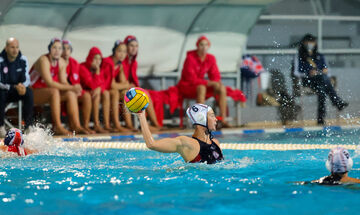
<point x="6" y="69"/>
<point x="76" y="76"/>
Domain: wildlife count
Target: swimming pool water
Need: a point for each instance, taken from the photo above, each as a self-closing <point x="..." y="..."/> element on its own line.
<point x="109" y="181"/>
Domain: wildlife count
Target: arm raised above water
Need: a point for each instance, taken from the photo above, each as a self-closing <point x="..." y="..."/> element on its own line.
<point x="166" y="145"/>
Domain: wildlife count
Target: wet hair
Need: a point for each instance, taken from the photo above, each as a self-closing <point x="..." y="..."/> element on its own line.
<point x="303" y="52"/>
<point x="333" y="179"/>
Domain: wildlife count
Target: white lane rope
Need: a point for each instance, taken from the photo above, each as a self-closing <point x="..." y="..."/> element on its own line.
<point x="233" y="146"/>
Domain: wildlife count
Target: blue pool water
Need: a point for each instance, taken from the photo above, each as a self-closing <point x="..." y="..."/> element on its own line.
<point x="109" y="181"/>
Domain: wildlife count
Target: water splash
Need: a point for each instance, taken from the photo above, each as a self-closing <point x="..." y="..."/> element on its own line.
<point x="41" y="138"/>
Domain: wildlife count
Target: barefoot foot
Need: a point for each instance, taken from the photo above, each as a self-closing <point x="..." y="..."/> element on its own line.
<point x="90" y="130"/>
<point x="99" y="129"/>
<point x="61" y="131"/>
<point x="81" y="130"/>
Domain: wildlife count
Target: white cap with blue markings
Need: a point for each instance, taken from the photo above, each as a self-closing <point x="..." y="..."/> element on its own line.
<point x="198" y="114"/>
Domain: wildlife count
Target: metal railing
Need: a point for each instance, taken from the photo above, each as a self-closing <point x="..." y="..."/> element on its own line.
<point x="320" y="19"/>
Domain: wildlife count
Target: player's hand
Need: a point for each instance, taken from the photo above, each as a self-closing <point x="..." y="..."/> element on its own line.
<point x="141" y="114"/>
<point x="21" y="89"/>
<point x="96" y="92"/>
<point x="312" y="73"/>
<point x="77" y="89"/>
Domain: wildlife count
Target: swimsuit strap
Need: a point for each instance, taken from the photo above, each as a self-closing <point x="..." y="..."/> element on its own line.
<point x="51" y="66"/>
<point x="212" y="142"/>
<point x="210" y="153"/>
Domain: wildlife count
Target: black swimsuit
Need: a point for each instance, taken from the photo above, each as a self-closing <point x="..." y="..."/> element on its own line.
<point x="329" y="180"/>
<point x="209" y="153"/>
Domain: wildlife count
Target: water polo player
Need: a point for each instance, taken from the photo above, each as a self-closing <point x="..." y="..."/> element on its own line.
<point x="339" y="163"/>
<point x="200" y="148"/>
<point x="14" y="142"/>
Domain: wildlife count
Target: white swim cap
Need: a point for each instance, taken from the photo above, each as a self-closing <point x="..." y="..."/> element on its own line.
<point x="339" y="160"/>
<point x="198" y="114"/>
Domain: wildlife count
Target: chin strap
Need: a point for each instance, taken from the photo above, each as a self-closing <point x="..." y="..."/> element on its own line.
<point x="209" y="133"/>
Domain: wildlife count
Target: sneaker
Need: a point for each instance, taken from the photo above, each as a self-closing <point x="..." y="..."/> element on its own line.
<point x="342" y="106"/>
<point x="321" y="122"/>
<point x="2" y="132"/>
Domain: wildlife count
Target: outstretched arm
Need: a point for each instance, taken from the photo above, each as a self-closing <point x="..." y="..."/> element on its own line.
<point x="3" y="148"/>
<point x="166" y="145"/>
<point x="31" y="151"/>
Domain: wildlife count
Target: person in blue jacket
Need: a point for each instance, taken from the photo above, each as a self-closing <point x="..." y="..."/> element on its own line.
<point x="14" y="82"/>
<point x="314" y="70"/>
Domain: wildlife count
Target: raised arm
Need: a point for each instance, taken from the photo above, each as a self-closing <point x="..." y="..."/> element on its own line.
<point x="31" y="151"/>
<point x="166" y="145"/>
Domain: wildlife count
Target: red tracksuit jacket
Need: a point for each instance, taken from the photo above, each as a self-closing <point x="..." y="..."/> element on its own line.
<point x="88" y="79"/>
<point x="108" y="72"/>
<point x="72" y="71"/>
<point x="130" y="70"/>
<point x="194" y="70"/>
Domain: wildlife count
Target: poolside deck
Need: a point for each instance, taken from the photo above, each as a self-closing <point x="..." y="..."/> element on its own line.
<point x="248" y="126"/>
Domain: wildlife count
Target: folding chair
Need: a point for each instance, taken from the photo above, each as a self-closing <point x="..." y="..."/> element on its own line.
<point x="11" y="106"/>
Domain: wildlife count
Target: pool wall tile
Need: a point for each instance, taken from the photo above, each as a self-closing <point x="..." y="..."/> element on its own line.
<point x="109" y="138"/>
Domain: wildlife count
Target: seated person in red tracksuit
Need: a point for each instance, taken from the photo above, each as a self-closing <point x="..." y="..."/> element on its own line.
<point x="130" y="69"/>
<point x="117" y="81"/>
<point x="193" y="84"/>
<point x="47" y="77"/>
<point x="73" y="78"/>
<point x="92" y="81"/>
